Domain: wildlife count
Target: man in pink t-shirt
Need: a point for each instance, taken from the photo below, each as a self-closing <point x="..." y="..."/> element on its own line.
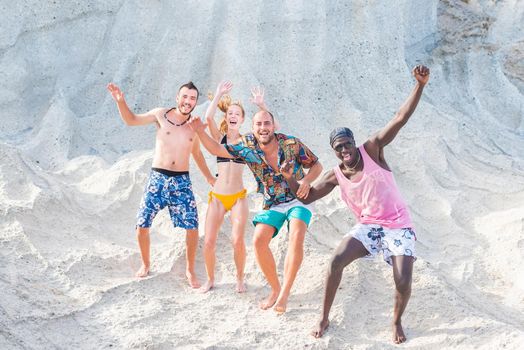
<point x="368" y="188"/>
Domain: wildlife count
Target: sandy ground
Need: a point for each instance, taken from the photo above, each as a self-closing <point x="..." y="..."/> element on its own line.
<point x="71" y="174"/>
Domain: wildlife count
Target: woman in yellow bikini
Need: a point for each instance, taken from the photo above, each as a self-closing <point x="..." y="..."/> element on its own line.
<point x="228" y="193"/>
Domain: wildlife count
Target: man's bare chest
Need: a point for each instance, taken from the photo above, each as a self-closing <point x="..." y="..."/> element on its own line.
<point x="181" y="136"/>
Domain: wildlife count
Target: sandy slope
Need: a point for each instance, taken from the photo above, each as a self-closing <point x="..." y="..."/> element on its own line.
<point x="71" y="174"/>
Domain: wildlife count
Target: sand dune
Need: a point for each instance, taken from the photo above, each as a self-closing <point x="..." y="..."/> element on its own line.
<point x="71" y="173"/>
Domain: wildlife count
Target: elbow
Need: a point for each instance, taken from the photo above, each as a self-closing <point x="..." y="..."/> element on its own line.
<point x="214" y="151"/>
<point x="130" y="121"/>
<point x="402" y="117"/>
<point x="198" y="156"/>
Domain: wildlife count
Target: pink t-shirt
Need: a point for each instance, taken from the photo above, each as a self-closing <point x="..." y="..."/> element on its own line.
<point x="374" y="198"/>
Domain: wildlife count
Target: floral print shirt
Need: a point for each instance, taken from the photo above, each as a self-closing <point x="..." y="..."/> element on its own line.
<point x="270" y="181"/>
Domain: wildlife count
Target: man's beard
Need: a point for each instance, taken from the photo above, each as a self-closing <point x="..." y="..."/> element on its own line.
<point x="186" y="114"/>
<point x="271" y="137"/>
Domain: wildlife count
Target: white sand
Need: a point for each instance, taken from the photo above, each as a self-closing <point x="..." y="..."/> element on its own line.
<point x="71" y="173"/>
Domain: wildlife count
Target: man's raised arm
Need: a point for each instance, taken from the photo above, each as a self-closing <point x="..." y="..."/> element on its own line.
<point x="388" y="133"/>
<point x="257" y="98"/>
<point x="125" y="113"/>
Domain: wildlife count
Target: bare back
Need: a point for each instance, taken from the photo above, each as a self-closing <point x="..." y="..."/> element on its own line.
<point x="173" y="143"/>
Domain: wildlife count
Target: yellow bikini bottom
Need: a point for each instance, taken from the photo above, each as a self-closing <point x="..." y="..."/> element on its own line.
<point x="227" y="200"/>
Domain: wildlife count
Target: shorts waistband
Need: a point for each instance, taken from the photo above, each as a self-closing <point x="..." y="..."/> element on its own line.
<point x="170" y="172"/>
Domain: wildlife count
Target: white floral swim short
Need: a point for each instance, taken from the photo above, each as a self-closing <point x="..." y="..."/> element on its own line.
<point x="389" y="241"/>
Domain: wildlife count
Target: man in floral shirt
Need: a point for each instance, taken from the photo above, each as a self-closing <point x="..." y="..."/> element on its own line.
<point x="264" y="151"/>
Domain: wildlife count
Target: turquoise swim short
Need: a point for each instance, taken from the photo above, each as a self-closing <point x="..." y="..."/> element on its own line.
<point x="276" y="219"/>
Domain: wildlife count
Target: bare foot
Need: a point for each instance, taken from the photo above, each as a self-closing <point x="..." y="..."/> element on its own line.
<point x="398" y="334"/>
<point x="320" y="328"/>
<point x="281" y="305"/>
<point x="142" y="272"/>
<point x="192" y="279"/>
<point x="241" y="287"/>
<point x="269" y="301"/>
<point x="207" y="286"/>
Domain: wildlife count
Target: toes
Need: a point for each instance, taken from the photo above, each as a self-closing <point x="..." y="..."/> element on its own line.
<point x="142" y="273"/>
<point x="279" y="309"/>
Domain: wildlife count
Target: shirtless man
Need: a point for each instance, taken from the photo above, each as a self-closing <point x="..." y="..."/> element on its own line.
<point x="383" y="224"/>
<point x="264" y="151"/>
<point x="169" y="183"/>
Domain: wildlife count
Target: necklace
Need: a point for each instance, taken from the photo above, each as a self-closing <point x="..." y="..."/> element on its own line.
<point x="170" y="122"/>
<point x="356" y="165"/>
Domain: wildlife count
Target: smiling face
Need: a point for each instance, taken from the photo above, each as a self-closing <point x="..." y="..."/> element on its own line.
<point x="346" y="150"/>
<point x="234" y="117"/>
<point x="186" y="100"/>
<point x="263" y="127"/>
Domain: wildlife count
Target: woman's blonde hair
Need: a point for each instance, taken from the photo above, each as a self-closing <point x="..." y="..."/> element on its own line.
<point x="224" y="104"/>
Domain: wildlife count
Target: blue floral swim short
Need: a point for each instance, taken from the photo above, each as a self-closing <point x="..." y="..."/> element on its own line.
<point x="389" y="241"/>
<point x="174" y="192"/>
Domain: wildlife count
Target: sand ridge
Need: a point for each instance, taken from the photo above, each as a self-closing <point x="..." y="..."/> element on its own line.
<point x="72" y="174"/>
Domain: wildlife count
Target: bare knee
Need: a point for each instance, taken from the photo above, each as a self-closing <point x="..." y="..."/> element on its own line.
<point x="260" y="242"/>
<point x="238" y="242"/>
<point x="403" y="284"/>
<point x="337" y="264"/>
<point x="296" y="238"/>
<point x="210" y="244"/>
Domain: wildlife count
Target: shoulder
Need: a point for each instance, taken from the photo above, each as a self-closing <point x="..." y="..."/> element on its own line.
<point x="158" y="114"/>
<point x="287" y="139"/>
<point x="281" y="136"/>
<point x="158" y="110"/>
<point x="372" y="148"/>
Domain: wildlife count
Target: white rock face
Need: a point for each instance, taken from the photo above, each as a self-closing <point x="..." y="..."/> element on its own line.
<point x="72" y="174"/>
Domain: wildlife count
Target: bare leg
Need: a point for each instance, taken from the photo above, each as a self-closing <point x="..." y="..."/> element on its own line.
<point x="239" y="214"/>
<point x="142" y="236"/>
<point x="214" y="218"/>
<point x="266" y="262"/>
<point x="402" y="274"/>
<point x="347" y="251"/>
<point x="191" y="249"/>
<point x="294" y="257"/>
